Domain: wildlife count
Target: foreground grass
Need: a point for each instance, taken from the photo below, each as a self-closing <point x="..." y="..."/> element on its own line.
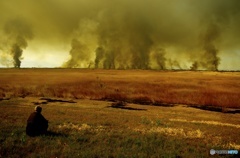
<point x="219" y="89"/>
<point x="89" y="128"/>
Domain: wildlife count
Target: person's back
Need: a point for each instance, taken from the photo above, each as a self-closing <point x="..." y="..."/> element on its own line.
<point x="36" y="123"/>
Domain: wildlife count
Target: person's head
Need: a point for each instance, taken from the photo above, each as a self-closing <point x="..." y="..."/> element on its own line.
<point x="38" y="109"/>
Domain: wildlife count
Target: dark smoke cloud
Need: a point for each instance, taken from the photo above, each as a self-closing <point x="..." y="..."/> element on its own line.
<point x="159" y="56"/>
<point x="210" y="52"/>
<point x="79" y="55"/>
<point x="18" y="33"/>
<point x="216" y="19"/>
<point x="99" y="56"/>
<point x="123" y="34"/>
<point x="194" y="66"/>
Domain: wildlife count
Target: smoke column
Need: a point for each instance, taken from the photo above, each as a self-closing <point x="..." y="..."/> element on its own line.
<point x="19" y="32"/>
<point x="131" y="37"/>
<point x="79" y="54"/>
<point x="211" y="52"/>
<point x="159" y="56"/>
<point x="123" y="34"/>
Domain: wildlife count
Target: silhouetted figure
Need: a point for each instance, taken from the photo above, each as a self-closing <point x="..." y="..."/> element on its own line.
<point x="36" y="123"/>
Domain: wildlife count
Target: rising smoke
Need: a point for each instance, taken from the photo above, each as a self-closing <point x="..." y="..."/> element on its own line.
<point x="210" y="51"/>
<point x="123" y="34"/>
<point x="18" y="33"/>
<point x="159" y="57"/>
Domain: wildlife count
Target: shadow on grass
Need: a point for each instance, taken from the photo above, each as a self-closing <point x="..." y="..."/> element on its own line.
<point x="4" y="99"/>
<point x="164" y="104"/>
<point x="49" y="100"/>
<point x="127" y="108"/>
<point x="55" y="134"/>
<point x="217" y="109"/>
<point x="58" y="100"/>
<point x="50" y="134"/>
<point x="123" y="105"/>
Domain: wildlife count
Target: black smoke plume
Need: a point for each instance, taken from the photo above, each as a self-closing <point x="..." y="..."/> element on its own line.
<point x="122" y="34"/>
<point x="211" y="59"/>
<point x="159" y="56"/>
<point x="194" y="66"/>
<point x="18" y="33"/>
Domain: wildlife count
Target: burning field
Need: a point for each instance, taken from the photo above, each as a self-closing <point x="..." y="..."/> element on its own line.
<point x="120" y="78"/>
<point x="115" y="113"/>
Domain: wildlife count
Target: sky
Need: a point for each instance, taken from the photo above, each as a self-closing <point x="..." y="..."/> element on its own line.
<point x="120" y="34"/>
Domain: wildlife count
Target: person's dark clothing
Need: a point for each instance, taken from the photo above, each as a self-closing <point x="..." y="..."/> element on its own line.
<point x="36" y="124"/>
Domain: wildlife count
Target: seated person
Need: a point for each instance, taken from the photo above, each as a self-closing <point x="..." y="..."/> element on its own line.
<point x="36" y="123"/>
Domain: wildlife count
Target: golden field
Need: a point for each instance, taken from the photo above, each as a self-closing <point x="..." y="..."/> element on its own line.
<point x="84" y="120"/>
<point x="200" y="88"/>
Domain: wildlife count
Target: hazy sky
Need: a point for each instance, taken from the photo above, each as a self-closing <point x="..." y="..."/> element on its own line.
<point x="139" y="34"/>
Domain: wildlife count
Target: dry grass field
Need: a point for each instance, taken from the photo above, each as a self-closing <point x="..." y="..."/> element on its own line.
<point x="200" y="88"/>
<point x="117" y="113"/>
